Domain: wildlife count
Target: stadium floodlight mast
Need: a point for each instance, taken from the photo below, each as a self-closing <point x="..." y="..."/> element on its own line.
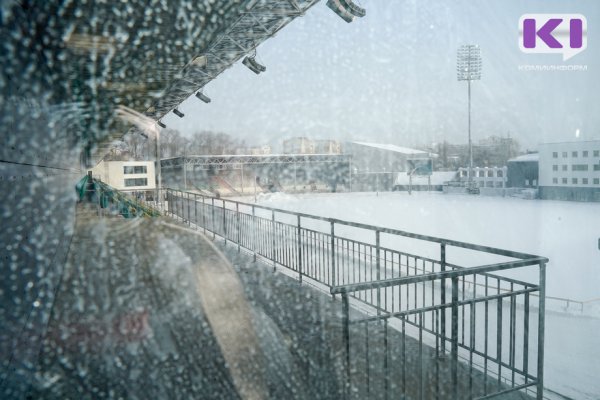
<point x="468" y="68"/>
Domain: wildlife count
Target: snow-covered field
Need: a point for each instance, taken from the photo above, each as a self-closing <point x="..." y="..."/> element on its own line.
<point x="565" y="232"/>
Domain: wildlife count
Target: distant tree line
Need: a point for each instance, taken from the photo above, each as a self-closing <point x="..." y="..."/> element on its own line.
<point x="174" y="144"/>
<point x="494" y="151"/>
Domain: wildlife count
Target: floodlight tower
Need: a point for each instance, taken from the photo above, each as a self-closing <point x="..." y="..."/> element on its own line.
<point x="468" y="68"/>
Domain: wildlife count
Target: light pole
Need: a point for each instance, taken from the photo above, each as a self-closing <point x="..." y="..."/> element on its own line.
<point x="468" y="68"/>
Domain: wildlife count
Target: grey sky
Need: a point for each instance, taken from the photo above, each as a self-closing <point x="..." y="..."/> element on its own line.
<point x="391" y="77"/>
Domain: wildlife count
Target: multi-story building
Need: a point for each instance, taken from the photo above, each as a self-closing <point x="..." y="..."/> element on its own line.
<point x="328" y="146"/>
<point x="126" y="175"/>
<point x="570" y="171"/>
<point x="299" y="145"/>
<point x="494" y="177"/>
<point x="256" y="151"/>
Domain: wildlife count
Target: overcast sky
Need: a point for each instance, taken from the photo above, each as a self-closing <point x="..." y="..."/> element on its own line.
<point x="390" y="77"/>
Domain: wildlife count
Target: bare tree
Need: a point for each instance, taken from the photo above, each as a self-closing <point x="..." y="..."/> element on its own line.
<point x="213" y="143"/>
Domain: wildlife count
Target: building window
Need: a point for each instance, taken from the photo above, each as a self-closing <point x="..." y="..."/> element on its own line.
<point x="564" y="167"/>
<point x="555" y="154"/>
<point x="555" y="168"/>
<point x="564" y="181"/>
<point x="135" y="169"/>
<point x="490" y="174"/>
<point x="596" y="181"/>
<point x="596" y="167"/>
<point x="481" y="174"/>
<point x="584" y="153"/>
<point x="564" y="154"/>
<point x="574" y="181"/>
<point x="574" y="154"/>
<point x="554" y="180"/>
<point x="584" y="181"/>
<point x="596" y="153"/>
<point x="579" y="167"/>
<point x="500" y="173"/>
<point x="136" y="182"/>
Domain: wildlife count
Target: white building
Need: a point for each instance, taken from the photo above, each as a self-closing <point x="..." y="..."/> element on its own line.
<point x="299" y="145"/>
<point x="570" y="170"/>
<point x="328" y="146"/>
<point x="485" y="177"/>
<point x="378" y="157"/>
<point x="126" y="175"/>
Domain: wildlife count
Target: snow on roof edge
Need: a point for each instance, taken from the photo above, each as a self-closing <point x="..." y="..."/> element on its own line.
<point x="392" y="147"/>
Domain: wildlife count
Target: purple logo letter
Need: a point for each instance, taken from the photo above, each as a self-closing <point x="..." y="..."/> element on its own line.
<point x="565" y="34"/>
<point x="545" y="33"/>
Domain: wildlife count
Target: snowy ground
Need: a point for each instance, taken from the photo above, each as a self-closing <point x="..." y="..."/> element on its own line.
<point x="565" y="232"/>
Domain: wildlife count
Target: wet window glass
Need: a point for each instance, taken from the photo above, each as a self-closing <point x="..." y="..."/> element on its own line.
<point x="267" y="199"/>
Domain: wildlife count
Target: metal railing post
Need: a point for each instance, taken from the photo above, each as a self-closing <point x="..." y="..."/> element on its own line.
<point x="299" y="249"/>
<point x="541" y="327"/>
<point x="254" y="234"/>
<point x="180" y="214"/>
<point x="333" y="277"/>
<point x="203" y="214"/>
<point x="273" y="240"/>
<point x="177" y="212"/>
<point x="196" y="210"/>
<point x="454" y="348"/>
<point x="224" y="223"/>
<point x="237" y="214"/>
<point x="443" y="299"/>
<point x="174" y="203"/>
<point x="378" y="268"/>
<point x="214" y="228"/>
<point x="188" y="209"/>
<point x="346" y="339"/>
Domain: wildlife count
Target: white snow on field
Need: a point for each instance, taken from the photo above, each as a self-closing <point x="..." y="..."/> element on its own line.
<point x="565" y="232"/>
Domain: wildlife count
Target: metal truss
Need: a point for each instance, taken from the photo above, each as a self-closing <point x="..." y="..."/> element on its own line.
<point x="261" y="20"/>
<point x="237" y="161"/>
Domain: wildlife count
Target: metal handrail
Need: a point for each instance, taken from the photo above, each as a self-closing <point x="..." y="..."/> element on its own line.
<point x="427" y="238"/>
<point x="324" y="257"/>
<point x="405" y="280"/>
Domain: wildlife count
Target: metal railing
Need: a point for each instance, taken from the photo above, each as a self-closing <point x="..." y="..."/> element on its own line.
<point x="111" y="201"/>
<point x="482" y="325"/>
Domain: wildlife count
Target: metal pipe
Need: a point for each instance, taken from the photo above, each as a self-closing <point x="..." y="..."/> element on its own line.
<point x="333" y="277"/>
<point x="454" y="339"/>
<point x="541" y="331"/>
<point x="299" y="250"/>
<point x="237" y="214"/>
<point x="436" y="275"/>
<point x="470" y="144"/>
<point x="254" y="236"/>
<point x="443" y="297"/>
<point x="224" y="222"/>
<point x="378" y="269"/>
<point x="346" y="340"/>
